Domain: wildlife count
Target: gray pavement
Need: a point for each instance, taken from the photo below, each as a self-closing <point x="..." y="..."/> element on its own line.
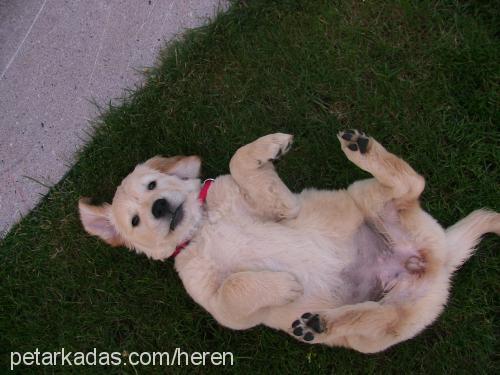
<point x="57" y="56"/>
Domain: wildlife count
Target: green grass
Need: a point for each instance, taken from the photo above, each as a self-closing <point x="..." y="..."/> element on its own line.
<point x="421" y="76"/>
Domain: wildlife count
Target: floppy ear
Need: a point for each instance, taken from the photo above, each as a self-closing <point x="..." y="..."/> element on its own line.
<point x="95" y="220"/>
<point x="180" y="166"/>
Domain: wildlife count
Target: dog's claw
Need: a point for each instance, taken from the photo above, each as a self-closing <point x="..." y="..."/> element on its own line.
<point x="272" y="147"/>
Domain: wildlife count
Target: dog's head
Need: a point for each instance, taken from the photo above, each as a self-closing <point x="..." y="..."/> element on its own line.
<point x="154" y="209"/>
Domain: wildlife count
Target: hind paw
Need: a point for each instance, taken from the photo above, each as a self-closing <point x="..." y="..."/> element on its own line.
<point x="308" y="326"/>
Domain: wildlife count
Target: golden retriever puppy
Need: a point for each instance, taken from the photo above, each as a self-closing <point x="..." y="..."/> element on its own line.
<point x="364" y="268"/>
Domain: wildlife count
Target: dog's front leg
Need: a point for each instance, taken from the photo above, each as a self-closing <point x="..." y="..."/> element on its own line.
<point x="241" y="300"/>
<point x="368" y="327"/>
<point x="252" y="169"/>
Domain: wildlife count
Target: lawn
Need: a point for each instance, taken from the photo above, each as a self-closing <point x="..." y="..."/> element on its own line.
<point x="421" y="76"/>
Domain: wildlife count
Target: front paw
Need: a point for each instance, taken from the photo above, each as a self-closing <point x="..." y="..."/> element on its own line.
<point x="271" y="147"/>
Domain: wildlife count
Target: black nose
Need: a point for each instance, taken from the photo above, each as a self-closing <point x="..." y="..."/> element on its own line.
<point x="160" y="208"/>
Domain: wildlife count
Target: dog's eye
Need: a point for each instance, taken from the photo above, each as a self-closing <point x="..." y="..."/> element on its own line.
<point x="135" y="221"/>
<point x="151" y="185"/>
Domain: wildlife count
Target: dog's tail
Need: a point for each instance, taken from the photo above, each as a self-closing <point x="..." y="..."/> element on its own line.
<point x="463" y="237"/>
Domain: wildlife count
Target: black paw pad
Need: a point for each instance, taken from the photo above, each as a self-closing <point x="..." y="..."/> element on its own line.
<point x="356" y="140"/>
<point x="308" y="336"/>
<point x="347" y="136"/>
<point x="315" y="324"/>
<point x="363" y="144"/>
<point x="307" y="326"/>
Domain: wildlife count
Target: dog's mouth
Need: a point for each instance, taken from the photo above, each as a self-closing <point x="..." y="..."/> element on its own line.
<point x="177" y="217"/>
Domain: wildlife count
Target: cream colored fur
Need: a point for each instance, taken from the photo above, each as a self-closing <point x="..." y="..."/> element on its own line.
<point x="260" y="254"/>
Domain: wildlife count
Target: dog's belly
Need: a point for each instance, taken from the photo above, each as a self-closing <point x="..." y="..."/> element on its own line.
<point x="338" y="271"/>
<point x="316" y="261"/>
<point x="377" y="266"/>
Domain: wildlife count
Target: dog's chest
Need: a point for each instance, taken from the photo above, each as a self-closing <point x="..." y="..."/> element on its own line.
<point x="352" y="270"/>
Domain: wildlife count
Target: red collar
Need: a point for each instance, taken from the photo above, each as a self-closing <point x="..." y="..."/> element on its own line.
<point x="202" y="197"/>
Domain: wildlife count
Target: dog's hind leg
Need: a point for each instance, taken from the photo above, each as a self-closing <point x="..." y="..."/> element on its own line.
<point x="371" y="327"/>
<point x="241" y="300"/>
<point x="338" y="326"/>
<point x="252" y="169"/>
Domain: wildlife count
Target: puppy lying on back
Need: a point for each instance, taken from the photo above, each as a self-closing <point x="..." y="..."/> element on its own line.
<point x="363" y="268"/>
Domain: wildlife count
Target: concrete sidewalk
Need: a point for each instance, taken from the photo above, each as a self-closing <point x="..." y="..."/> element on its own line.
<point x="55" y="57"/>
